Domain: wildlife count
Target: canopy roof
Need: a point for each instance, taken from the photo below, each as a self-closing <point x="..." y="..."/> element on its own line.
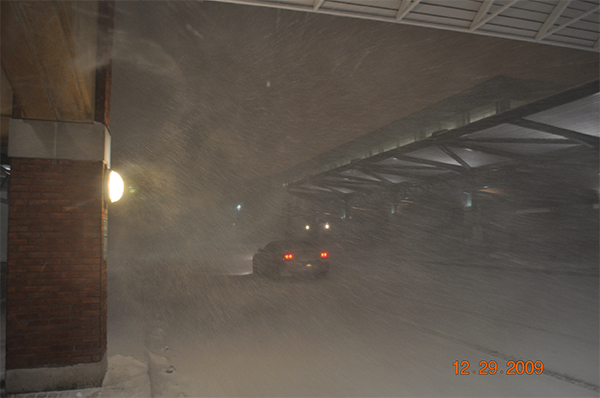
<point x="561" y="126"/>
<point x="572" y="23"/>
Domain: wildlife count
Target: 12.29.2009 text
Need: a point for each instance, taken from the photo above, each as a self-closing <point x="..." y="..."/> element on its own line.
<point x="491" y="368"/>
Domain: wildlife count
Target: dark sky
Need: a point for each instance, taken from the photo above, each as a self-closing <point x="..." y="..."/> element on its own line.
<point x="208" y="95"/>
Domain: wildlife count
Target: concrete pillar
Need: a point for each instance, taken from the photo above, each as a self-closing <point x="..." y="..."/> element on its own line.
<point x="56" y="295"/>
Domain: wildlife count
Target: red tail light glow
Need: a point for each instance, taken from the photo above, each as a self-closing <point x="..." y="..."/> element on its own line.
<point x="288" y="256"/>
<point x="324" y="255"/>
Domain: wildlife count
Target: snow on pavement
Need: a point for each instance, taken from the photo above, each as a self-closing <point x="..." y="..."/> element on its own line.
<point x="379" y="324"/>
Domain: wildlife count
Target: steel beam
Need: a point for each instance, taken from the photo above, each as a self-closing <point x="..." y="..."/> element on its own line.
<point x="571" y="21"/>
<point x="441" y="165"/>
<point x="454" y="156"/>
<point x="496" y="152"/>
<point x="481" y="13"/>
<point x="493" y="15"/>
<point x="586" y="140"/>
<point x="397" y="171"/>
<point x="560" y="141"/>
<point x="351" y="187"/>
<point x="406" y="6"/>
<point x="551" y="20"/>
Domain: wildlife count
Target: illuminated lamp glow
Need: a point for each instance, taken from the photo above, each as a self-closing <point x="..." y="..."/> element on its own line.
<point x="115" y="186"/>
<point x="327" y="226"/>
<point x="324" y="255"/>
<point x="288" y="256"/>
<point x="308" y="227"/>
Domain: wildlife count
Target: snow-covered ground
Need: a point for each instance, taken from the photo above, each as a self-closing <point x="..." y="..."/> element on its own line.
<point x="382" y="323"/>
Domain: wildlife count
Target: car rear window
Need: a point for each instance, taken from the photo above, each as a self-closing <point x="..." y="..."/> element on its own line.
<point x="289" y="245"/>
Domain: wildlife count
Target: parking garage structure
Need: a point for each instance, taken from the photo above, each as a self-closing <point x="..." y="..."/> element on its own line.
<point x="520" y="179"/>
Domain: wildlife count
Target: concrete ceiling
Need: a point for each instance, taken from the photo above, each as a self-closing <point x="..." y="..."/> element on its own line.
<point x="566" y="23"/>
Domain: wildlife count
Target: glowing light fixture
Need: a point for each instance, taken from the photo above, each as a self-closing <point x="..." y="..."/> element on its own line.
<point x="308" y="227"/>
<point x="115" y="186"/>
<point x="326" y="225"/>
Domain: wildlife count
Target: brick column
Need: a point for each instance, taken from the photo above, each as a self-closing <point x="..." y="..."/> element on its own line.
<point x="56" y="295"/>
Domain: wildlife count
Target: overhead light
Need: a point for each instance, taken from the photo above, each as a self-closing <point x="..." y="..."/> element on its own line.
<point x="115" y="186"/>
<point x="469" y="200"/>
<point x="308" y="227"/>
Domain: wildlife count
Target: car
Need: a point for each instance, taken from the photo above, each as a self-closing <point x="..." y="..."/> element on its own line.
<point x="284" y="258"/>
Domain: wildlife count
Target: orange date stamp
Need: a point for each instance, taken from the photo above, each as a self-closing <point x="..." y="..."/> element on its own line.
<point x="488" y="368"/>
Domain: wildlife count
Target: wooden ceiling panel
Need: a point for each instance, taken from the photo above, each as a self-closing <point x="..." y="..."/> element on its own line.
<point x="41" y="60"/>
<point x="21" y="68"/>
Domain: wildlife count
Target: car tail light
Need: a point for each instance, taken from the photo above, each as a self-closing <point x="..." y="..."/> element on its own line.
<point x="324" y="255"/>
<point x="288" y="256"/>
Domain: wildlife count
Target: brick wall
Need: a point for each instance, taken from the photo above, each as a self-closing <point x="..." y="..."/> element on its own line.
<point x="56" y="295"/>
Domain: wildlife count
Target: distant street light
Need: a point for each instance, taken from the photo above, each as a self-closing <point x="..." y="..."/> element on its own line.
<point x="239" y="207"/>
